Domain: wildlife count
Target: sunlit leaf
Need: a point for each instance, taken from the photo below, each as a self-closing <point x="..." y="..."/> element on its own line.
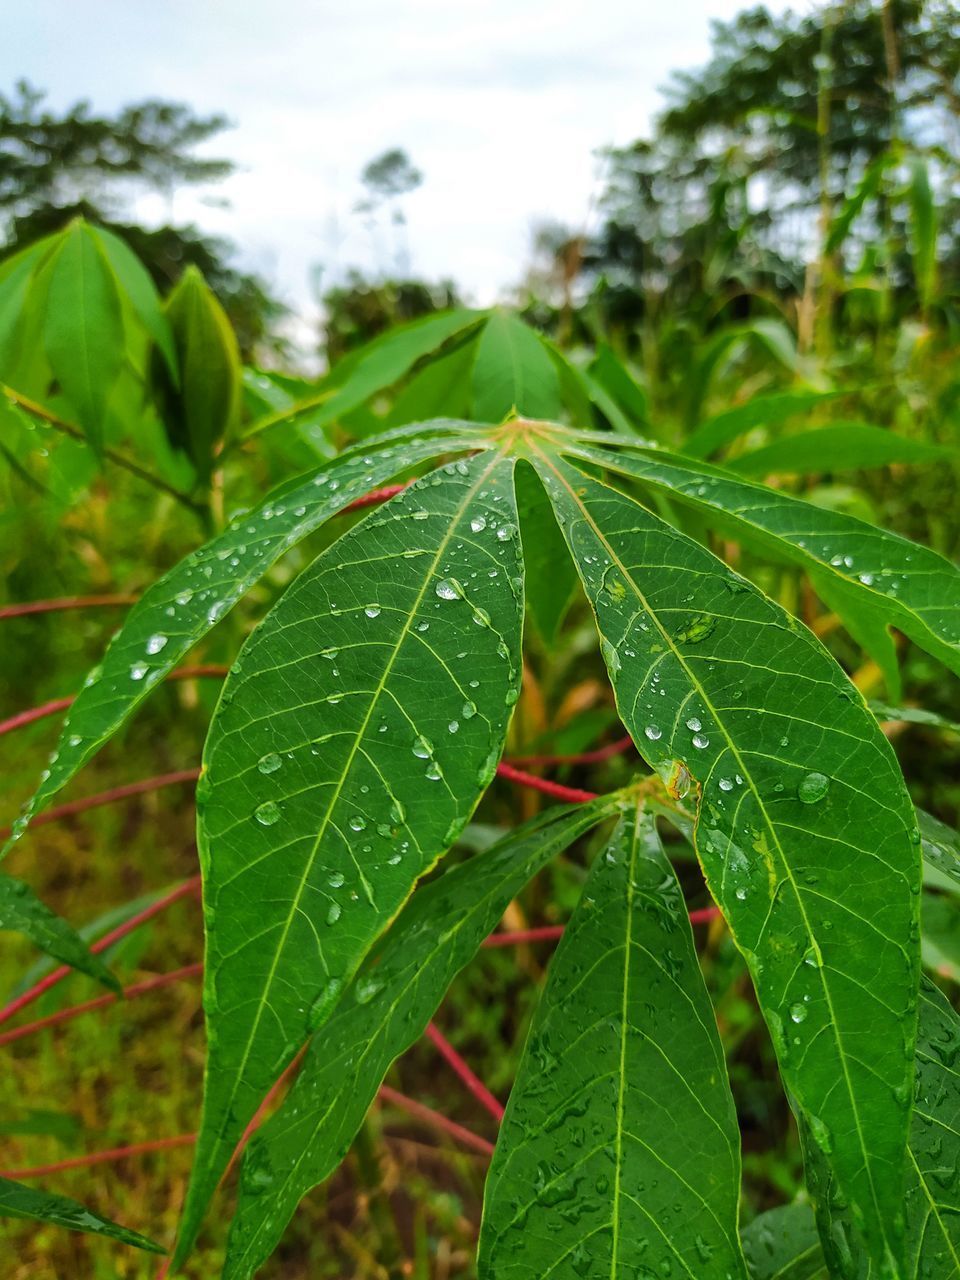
<point x="804" y="829"/>
<point x="361" y="723"/>
<point x="382" y="1013"/>
<point x="619" y="1152"/>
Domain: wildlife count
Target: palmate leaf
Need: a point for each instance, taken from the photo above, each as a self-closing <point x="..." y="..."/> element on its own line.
<point x="20" y="1201"/>
<point x="619" y="1154"/>
<point x="804" y="830"/>
<point x="876" y="576"/>
<point x="360" y="725"/>
<point x="932" y="1202"/>
<point x="22" y="910"/>
<point x="783" y="1244"/>
<point x="180" y="608"/>
<point x="382" y="1013"/>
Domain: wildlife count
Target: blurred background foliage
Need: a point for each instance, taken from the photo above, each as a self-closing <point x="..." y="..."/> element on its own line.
<point x="772" y="283"/>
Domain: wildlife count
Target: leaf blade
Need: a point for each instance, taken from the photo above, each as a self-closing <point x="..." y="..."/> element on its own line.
<point x="773" y="859"/>
<point x="20" y="1201"/>
<point x="282" y="853"/>
<point x="605" y="1019"/>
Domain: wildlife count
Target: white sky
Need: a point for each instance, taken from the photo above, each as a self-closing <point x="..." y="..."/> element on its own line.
<point x="502" y="105"/>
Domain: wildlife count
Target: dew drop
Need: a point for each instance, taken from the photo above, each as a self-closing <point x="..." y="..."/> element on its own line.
<point x="813" y="788"/>
<point x="269" y="763"/>
<point x="422" y="748"/>
<point x="449" y="589"/>
<point x="267" y="813"/>
<point x="478" y="524"/>
<point x="372" y="611"/>
<point x="138" y="670"/>
<point x="358" y="822"/>
<point x="156" y="643"/>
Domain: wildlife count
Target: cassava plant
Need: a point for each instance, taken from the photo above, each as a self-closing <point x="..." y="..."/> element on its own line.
<point x="357" y="731"/>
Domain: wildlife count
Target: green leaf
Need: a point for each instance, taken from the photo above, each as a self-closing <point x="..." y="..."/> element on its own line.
<point x="442" y="386"/>
<point x="362" y="721"/>
<point x="783" y="1244"/>
<point x="843" y="446"/>
<point x="804" y="828"/>
<point x="22" y="911"/>
<point x="134" y="280"/>
<point x="513" y="370"/>
<point x="931" y="1205"/>
<point x="20" y="1201"/>
<point x="202" y="408"/>
<point x="852" y="206"/>
<point x="923" y="230"/>
<point x="83" y="329"/>
<point x="941" y="849"/>
<point x="940" y="937"/>
<point x="377" y="366"/>
<point x="882" y="579"/>
<point x="761" y="411"/>
<point x="614" y="376"/>
<point x="550" y="580"/>
<point x="913" y="715"/>
<point x="383" y="1012"/>
<point x="619" y="1153"/>
<point x="180" y="608"/>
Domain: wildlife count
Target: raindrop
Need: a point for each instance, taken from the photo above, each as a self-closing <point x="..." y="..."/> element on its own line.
<point x="269" y="763"/>
<point x="156" y="643"/>
<point x="422" y="748"/>
<point x="701" y="740"/>
<point x="813" y="788"/>
<point x="358" y="822"/>
<point x="506" y="532"/>
<point x="694" y="724"/>
<point x="653" y="732"/>
<point x="433" y="771"/>
<point x="335" y="879"/>
<point x="798" y="1012"/>
<point x="478" y="524"/>
<point x="468" y="710"/>
<point x="449" y="589"/>
<point x="333" y="912"/>
<point x="726" y="784"/>
<point x="267" y="813"/>
<point x="138" y="670"/>
<point x="372" y="611"/>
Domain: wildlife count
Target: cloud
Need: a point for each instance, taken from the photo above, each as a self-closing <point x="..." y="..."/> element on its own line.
<point x="502" y="106"/>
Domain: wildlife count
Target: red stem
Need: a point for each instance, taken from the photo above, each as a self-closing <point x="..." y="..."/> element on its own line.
<point x="545" y="933"/>
<point x="103" y="1157"/>
<point x="57" y="975"/>
<point x="214" y="670"/>
<point x="108" y="797"/>
<point x="466" y="1136"/>
<point x="571" y="794"/>
<point x="101" y="1002"/>
<point x="376" y="496"/>
<point x="64" y="602"/>
<point x="462" y="1069"/>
